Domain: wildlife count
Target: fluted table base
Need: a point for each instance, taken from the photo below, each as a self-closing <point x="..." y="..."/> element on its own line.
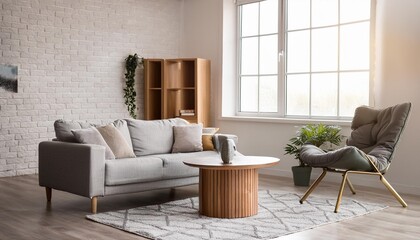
<point x="228" y="193"/>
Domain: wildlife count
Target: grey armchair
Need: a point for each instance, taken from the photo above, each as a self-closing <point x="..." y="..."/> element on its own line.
<point x="369" y="150"/>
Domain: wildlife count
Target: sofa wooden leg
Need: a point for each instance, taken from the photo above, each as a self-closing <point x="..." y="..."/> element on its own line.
<point x="94" y="204"/>
<point x="48" y="192"/>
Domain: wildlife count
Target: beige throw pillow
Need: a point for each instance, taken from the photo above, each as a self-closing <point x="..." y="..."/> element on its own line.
<point x="116" y="141"/>
<point x="92" y="136"/>
<point x="187" y="138"/>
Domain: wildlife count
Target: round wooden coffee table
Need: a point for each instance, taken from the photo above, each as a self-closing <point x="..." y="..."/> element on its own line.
<point x="229" y="190"/>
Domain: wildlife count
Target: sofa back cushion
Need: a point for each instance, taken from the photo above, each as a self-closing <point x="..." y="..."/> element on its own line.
<point x="63" y="129"/>
<point x="153" y="137"/>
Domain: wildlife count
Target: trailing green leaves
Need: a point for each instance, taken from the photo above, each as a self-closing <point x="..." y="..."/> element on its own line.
<point x="131" y="63"/>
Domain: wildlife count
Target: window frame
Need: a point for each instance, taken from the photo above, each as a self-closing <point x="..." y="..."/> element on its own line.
<point x="282" y="54"/>
<point x="280" y="44"/>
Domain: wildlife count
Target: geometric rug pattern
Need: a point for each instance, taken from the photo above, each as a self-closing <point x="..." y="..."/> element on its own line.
<point x="279" y="214"/>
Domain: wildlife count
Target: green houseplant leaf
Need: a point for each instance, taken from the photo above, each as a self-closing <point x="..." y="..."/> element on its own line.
<point x="131" y="63"/>
<point x="316" y="134"/>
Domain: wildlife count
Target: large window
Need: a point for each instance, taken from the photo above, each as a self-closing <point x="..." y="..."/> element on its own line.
<point x="304" y="58"/>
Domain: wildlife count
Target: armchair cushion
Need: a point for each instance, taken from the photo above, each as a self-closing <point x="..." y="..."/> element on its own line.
<point x="376" y="132"/>
<point x="348" y="157"/>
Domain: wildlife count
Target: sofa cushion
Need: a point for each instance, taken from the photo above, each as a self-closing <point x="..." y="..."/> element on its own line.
<point x="92" y="136"/>
<point x="63" y="129"/>
<point x="153" y="137"/>
<point x="133" y="170"/>
<point x="173" y="166"/>
<point x="116" y="141"/>
<point x="187" y="138"/>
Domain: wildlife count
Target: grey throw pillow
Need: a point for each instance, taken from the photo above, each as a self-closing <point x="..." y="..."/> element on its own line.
<point x="92" y="136"/>
<point x="188" y="138"/>
<point x="116" y="141"/>
<point x="63" y="129"/>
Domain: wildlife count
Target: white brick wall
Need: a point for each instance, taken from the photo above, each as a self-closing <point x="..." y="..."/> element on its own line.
<point x="70" y="57"/>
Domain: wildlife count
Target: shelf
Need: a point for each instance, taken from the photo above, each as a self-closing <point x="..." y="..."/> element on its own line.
<point x="172" y="85"/>
<point x="180" y="74"/>
<point x="153" y="80"/>
<point x="154" y="72"/>
<point x="155" y="112"/>
<point x="177" y="89"/>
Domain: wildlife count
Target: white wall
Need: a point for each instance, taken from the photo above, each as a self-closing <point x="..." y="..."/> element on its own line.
<point x="200" y="38"/>
<point x="70" y="56"/>
<point x="397" y="80"/>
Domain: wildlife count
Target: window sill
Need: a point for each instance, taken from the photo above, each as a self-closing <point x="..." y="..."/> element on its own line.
<point x="300" y="121"/>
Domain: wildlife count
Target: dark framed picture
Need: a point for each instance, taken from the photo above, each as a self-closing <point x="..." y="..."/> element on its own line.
<point x="9" y="77"/>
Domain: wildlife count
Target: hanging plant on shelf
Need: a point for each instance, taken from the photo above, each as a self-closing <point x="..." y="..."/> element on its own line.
<point x="131" y="63"/>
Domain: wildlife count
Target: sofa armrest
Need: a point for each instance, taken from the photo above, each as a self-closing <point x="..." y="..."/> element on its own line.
<point x="216" y="140"/>
<point x="72" y="167"/>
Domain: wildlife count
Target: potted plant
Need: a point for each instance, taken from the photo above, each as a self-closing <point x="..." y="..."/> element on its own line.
<point x="316" y="134"/>
<point x="131" y="63"/>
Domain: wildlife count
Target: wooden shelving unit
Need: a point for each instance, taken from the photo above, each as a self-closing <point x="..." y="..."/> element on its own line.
<point x="175" y="85"/>
<point x="153" y="85"/>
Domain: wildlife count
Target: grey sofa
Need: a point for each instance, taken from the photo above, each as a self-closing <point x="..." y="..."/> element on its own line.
<point x="83" y="170"/>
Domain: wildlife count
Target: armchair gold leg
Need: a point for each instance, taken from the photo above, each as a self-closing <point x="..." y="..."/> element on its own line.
<point x="392" y="190"/>
<point x="340" y="193"/>
<point x="313" y="186"/>
<point x="94" y="204"/>
<point x="350" y="185"/>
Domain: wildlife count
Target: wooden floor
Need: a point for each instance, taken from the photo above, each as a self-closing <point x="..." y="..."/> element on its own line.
<point x="24" y="213"/>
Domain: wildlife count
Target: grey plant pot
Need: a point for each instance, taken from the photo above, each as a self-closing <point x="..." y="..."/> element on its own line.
<point x="301" y="175"/>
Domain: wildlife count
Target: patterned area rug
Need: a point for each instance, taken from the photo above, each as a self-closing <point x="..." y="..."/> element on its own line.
<point x="279" y="214"/>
